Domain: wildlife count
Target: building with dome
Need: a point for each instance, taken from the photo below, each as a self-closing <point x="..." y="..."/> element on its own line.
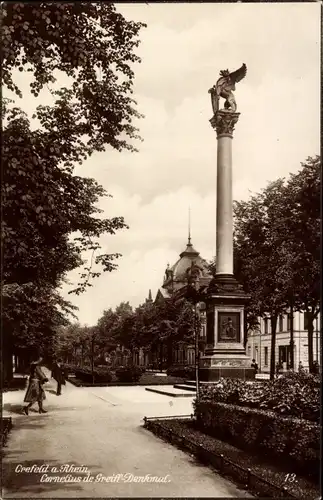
<point x="175" y="284"/>
<point x="176" y="277"/>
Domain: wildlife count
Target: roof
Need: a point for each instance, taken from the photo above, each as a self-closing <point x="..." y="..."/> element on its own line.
<point x="162" y="294"/>
<point x="178" y="273"/>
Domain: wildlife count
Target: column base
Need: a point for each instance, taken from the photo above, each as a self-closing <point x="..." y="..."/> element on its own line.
<point x="225" y="285"/>
<point x="214" y="373"/>
<point x="226" y="365"/>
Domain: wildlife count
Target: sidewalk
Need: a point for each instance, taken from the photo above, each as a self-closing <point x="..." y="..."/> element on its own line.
<point x="100" y="429"/>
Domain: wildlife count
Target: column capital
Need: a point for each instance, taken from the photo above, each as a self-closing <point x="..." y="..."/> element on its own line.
<point x="224" y="122"/>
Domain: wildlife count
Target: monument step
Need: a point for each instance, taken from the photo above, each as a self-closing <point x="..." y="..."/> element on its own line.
<point x="185" y="387"/>
<point x="193" y="383"/>
<point x="172" y="392"/>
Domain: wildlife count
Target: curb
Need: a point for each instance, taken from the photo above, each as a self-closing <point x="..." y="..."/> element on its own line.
<point x="115" y="384"/>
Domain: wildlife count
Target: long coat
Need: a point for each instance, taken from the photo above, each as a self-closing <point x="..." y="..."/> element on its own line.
<point x="35" y="391"/>
<point x="58" y="373"/>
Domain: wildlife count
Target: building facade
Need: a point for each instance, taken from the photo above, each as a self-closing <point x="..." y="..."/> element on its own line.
<point x="175" y="284"/>
<point x="259" y="342"/>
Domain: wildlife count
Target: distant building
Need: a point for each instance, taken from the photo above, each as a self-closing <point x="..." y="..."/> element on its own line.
<point x="175" y="285"/>
<point x="259" y="342"/>
<point x="175" y="279"/>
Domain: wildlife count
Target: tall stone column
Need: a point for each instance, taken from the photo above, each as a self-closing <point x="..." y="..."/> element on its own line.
<point x="223" y="122"/>
<point x="225" y="352"/>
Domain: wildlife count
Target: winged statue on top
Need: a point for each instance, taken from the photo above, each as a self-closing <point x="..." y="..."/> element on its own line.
<point x="224" y="87"/>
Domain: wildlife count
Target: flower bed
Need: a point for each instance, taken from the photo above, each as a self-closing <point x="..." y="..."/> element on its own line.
<point x="294" y="394"/>
<point x="284" y="439"/>
<point x="265" y="479"/>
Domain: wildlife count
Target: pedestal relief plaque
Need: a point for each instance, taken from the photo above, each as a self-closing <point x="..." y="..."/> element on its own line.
<point x="229" y="327"/>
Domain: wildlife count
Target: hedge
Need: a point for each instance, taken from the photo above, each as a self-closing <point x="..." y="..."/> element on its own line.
<point x="296" y="440"/>
<point x="129" y="373"/>
<point x="69" y="369"/>
<point x="183" y="371"/>
<point x="100" y="375"/>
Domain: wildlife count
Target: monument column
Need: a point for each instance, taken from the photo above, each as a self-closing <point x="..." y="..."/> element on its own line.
<point x="223" y="122"/>
<point x="225" y="354"/>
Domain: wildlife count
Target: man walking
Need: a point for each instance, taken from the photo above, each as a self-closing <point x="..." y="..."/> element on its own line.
<point x="254" y="365"/>
<point x="58" y="375"/>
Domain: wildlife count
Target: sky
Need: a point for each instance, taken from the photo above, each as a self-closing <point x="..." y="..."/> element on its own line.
<point x="183" y="49"/>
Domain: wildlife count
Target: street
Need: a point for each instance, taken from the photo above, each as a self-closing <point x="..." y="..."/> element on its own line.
<point x="100" y="429"/>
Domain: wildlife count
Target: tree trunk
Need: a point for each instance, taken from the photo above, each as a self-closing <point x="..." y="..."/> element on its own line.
<point x="7" y="364"/>
<point x="310" y="331"/>
<point x="169" y="352"/>
<point x="245" y="331"/>
<point x="161" y="356"/>
<point x="291" y="342"/>
<point x="273" y="322"/>
<point x="92" y="359"/>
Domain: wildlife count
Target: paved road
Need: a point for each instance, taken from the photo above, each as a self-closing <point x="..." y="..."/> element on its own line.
<point x="101" y="429"/>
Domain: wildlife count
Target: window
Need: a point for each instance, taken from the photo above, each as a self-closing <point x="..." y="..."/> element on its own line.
<point x="266" y="324"/>
<point x="306" y="321"/>
<point x="266" y="356"/>
<point x="284" y="354"/>
<point x="256" y="354"/>
<point x="281" y="323"/>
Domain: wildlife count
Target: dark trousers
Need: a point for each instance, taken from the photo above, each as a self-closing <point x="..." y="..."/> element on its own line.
<point x="59" y="388"/>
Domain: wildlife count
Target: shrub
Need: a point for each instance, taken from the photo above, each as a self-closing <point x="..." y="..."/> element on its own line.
<point x="182" y="371"/>
<point x="293" y="394"/>
<point x="69" y="369"/>
<point x="101" y="375"/>
<point x="264" y="432"/>
<point x="129" y="373"/>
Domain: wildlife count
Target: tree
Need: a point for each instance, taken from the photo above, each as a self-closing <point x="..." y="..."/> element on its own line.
<point x="115" y="327"/>
<point x="31" y="316"/>
<point x="300" y="242"/>
<point x="43" y="202"/>
<point x="68" y="339"/>
<point x="164" y="325"/>
<point x="144" y="325"/>
<point x="106" y="330"/>
<point x="277" y="243"/>
<point x="92" y="44"/>
<point x="260" y="258"/>
<point x="123" y="324"/>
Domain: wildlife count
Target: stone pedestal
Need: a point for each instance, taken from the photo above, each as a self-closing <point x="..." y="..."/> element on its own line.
<point x="225" y="353"/>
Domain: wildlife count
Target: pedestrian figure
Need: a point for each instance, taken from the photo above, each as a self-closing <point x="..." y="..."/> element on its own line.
<point x="301" y="367"/>
<point x="35" y="391"/>
<point x="316" y="368"/>
<point x="254" y="365"/>
<point x="58" y="375"/>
